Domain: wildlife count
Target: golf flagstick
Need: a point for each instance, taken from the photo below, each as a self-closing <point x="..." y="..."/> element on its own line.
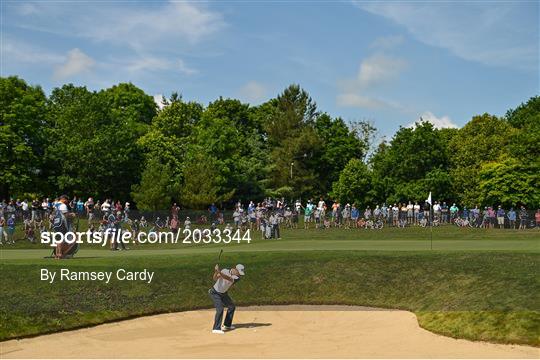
<point x="430" y="220"/>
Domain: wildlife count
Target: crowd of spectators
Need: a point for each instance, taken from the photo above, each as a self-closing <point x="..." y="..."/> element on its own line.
<point x="267" y="216"/>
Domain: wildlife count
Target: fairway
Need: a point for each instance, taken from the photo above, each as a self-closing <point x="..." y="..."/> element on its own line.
<point x="447" y="238"/>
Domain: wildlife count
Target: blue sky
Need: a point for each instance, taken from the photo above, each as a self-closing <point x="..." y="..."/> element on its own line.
<point x="387" y="62"/>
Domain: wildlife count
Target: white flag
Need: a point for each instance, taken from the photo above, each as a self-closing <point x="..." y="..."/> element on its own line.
<point x="429" y="199"/>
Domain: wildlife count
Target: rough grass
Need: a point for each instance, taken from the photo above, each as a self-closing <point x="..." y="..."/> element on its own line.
<point x="475" y="295"/>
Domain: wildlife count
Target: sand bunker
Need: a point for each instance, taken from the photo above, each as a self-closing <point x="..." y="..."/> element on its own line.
<point x="263" y="332"/>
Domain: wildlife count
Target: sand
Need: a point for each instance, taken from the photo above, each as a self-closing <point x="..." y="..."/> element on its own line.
<point x="263" y="332"/>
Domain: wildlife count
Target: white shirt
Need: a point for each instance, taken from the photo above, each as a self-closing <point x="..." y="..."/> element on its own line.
<point x="222" y="285"/>
<point x="106" y="206"/>
<point x="24" y="206"/>
<point x="63" y="208"/>
<point x="320" y="206"/>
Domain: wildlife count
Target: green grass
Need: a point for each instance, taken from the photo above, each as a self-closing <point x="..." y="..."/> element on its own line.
<point x="391" y="239"/>
<point x="476" y="284"/>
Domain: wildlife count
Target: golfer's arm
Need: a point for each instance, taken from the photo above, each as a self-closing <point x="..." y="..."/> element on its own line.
<point x="226" y="277"/>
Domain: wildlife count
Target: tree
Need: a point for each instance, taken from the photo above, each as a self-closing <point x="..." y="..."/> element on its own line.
<point x="23" y="119"/>
<point x="230" y="134"/>
<point x="525" y="141"/>
<point x="437" y="181"/>
<point x="170" y="133"/>
<point x="354" y="184"/>
<point x="483" y="139"/>
<point x="202" y="184"/>
<point x="509" y="182"/>
<point x="293" y="110"/>
<point x="415" y="160"/>
<point x="156" y="188"/>
<point x="339" y="144"/>
<point x="93" y="151"/>
<point x="128" y="101"/>
<point x="294" y="145"/>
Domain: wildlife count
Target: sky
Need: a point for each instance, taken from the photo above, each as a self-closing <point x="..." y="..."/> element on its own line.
<point x="388" y="62"/>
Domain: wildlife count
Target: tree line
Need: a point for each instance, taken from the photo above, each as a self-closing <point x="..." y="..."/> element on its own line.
<point x="118" y="143"/>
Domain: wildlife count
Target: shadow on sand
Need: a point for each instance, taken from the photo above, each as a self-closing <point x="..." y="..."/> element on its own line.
<point x="250" y="325"/>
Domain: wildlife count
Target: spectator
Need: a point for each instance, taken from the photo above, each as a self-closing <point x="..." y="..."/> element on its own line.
<point x="25" y="209"/>
<point x="3" y="235"/>
<point x="395" y="214"/>
<point x="454" y="209"/>
<point x="512" y="218"/>
<point x="416" y="209"/>
<point x="173" y="224"/>
<point x="212" y="211"/>
<point x="236" y="217"/>
<point x="174" y="210"/>
<point x="377" y="212"/>
<point x="10" y="230"/>
<point x="367" y="213"/>
<point x="346" y="215"/>
<point x="274" y="222"/>
<point x="106" y="207"/>
<point x="444" y="212"/>
<point x="321" y="205"/>
<point x="308" y="211"/>
<point x="80" y="206"/>
<point x="127" y="210"/>
<point x="403" y="213"/>
<point x="465" y="213"/>
<point x="500" y="217"/>
<point x="384" y="211"/>
<point x="410" y="213"/>
<point x="354" y="215"/>
<point x="523" y="216"/>
<point x="35" y="210"/>
<point x="475" y="216"/>
<point x="436" y="211"/>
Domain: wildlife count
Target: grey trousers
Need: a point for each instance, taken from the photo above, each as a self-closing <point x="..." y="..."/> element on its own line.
<point x="222" y="300"/>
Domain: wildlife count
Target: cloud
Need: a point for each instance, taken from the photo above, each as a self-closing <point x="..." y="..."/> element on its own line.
<point x="387" y="42"/>
<point x="378" y="69"/>
<point x="501" y="34"/>
<point x="437" y="122"/>
<point x="151" y="63"/>
<point x="140" y="26"/>
<point x="374" y="71"/>
<point x="159" y="100"/>
<point x="360" y="101"/>
<point x="186" y="69"/>
<point x="76" y="62"/>
<point x="148" y="63"/>
<point x="17" y="51"/>
<point x="253" y="91"/>
<point x="144" y="27"/>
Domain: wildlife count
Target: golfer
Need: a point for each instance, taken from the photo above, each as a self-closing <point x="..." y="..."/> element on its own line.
<point x="224" y="278"/>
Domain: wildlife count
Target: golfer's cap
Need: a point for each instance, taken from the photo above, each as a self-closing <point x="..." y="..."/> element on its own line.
<point x="240" y="269"/>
